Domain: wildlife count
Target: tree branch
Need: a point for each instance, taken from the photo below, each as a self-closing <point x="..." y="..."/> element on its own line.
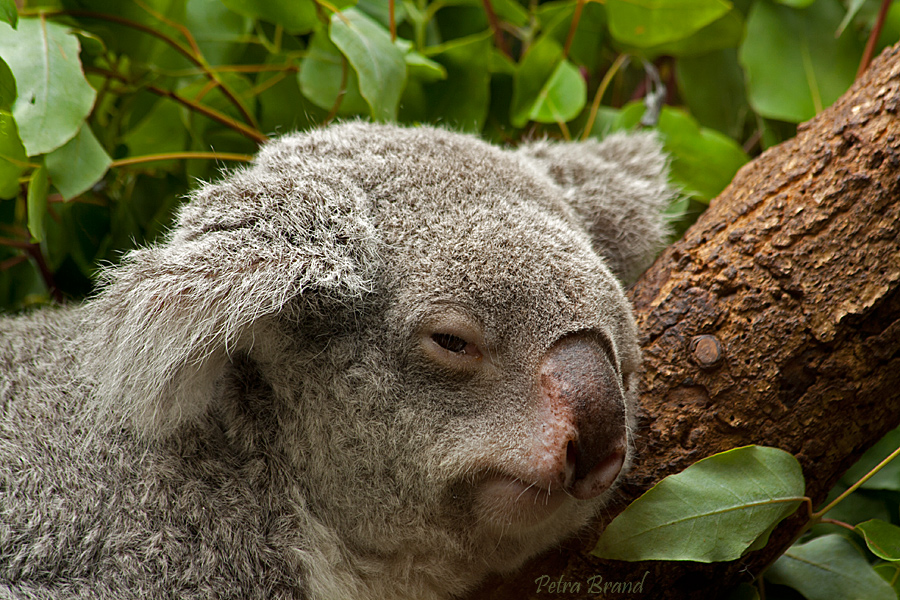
<point x="792" y="277"/>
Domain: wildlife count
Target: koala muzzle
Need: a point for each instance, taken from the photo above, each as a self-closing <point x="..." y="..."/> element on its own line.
<point x="583" y="436"/>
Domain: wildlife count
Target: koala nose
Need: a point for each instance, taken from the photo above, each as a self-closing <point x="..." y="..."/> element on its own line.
<point x="584" y="429"/>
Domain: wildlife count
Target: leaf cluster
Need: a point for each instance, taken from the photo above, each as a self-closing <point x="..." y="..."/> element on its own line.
<point x="110" y="109"/>
<point x="727" y="505"/>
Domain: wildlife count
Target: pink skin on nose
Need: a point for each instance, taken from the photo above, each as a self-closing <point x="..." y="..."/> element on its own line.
<point x="578" y="445"/>
<point x="582" y="442"/>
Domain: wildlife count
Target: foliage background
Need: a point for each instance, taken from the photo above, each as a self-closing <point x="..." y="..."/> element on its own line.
<point x="110" y="110"/>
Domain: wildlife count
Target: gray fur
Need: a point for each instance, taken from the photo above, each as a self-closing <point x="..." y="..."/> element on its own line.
<point x="245" y="411"/>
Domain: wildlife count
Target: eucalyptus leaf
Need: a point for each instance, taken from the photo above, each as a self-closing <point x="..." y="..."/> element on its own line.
<point x="653" y="22"/>
<point x="121" y="38"/>
<point x="852" y="9"/>
<point x="725" y="32"/>
<point x="712" y="511"/>
<point x="296" y="16"/>
<point x="882" y="538"/>
<point x="38" y="186"/>
<point x="462" y="99"/>
<point x="12" y="156"/>
<point x="890" y="572"/>
<point x="423" y="68"/>
<point x="78" y="164"/>
<point x="219" y="32"/>
<point x="532" y="75"/>
<point x="704" y="161"/>
<point x="829" y="568"/>
<point x="712" y="85"/>
<point x="54" y="98"/>
<point x="562" y="97"/>
<point x="9" y="12"/>
<point x="160" y="132"/>
<point x="7" y="87"/>
<point x="379" y="64"/>
<point x="796" y="3"/>
<point x="794" y="65"/>
<point x="743" y="591"/>
<point x="322" y="74"/>
<point x="888" y="478"/>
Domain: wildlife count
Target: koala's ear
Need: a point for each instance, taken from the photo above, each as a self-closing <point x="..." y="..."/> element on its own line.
<point x="619" y="188"/>
<point x="168" y="317"/>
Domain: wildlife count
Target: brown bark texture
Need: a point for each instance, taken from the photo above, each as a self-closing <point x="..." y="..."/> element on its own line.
<point x="774" y="321"/>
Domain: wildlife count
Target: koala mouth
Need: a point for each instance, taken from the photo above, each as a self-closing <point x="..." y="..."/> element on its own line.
<point x="511" y="502"/>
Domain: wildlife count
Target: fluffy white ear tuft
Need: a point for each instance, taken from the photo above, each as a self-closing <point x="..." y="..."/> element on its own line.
<point x="619" y="187"/>
<point x="167" y="318"/>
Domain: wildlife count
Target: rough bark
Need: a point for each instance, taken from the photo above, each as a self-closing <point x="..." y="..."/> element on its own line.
<point x="774" y="321"/>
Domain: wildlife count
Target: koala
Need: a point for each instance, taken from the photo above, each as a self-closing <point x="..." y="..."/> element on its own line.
<point x="378" y="363"/>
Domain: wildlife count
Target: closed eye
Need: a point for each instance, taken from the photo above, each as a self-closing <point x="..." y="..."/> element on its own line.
<point x="450" y="342"/>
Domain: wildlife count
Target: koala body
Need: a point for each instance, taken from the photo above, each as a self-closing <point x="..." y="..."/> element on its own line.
<point x="381" y="362"/>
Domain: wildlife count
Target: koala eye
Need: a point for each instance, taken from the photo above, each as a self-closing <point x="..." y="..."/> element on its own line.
<point x="453" y="340"/>
<point x="450" y="342"/>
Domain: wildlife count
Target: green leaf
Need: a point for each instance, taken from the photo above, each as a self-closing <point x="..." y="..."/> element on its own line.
<point x="584" y="47"/>
<point x="743" y="591"/>
<point x="9" y="13"/>
<point x="562" y="97"/>
<point x="829" y="568"/>
<point x="54" y="98"/>
<point x="78" y="164"/>
<point x="12" y="156"/>
<point x="890" y="572"/>
<point x="140" y="48"/>
<point x="725" y="32"/>
<point x="712" y="85"/>
<point x="282" y="106"/>
<point x="379" y="10"/>
<point x="462" y="99"/>
<point x="703" y="160"/>
<point x="37" y="202"/>
<point x="796" y="3"/>
<point x="852" y="9"/>
<point x="532" y="75"/>
<point x="653" y="22"/>
<point x="423" y="68"/>
<point x="296" y="16"/>
<point x="321" y="74"/>
<point x="378" y="63"/>
<point x="888" y="478"/>
<point x="219" y="32"/>
<point x="161" y="131"/>
<point x="882" y="538"/>
<point x="712" y="511"/>
<point x="794" y="65"/>
<point x="7" y="87"/>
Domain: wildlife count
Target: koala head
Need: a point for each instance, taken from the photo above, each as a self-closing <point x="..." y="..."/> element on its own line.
<point x="435" y="328"/>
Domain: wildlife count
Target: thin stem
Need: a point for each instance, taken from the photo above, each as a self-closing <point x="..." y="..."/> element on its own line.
<point x="495" y="27"/>
<point x="839" y="523"/>
<point x="601" y="89"/>
<point x="392" y="20"/>
<point x="188" y="53"/>
<point x="565" y="130"/>
<point x="579" y="6"/>
<point x="342" y="91"/>
<point x="855" y="486"/>
<point x="873" y="38"/>
<point x="213" y="114"/>
<point x="135" y="160"/>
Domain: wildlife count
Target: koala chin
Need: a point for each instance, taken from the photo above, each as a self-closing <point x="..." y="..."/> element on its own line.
<point x="378" y="363"/>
